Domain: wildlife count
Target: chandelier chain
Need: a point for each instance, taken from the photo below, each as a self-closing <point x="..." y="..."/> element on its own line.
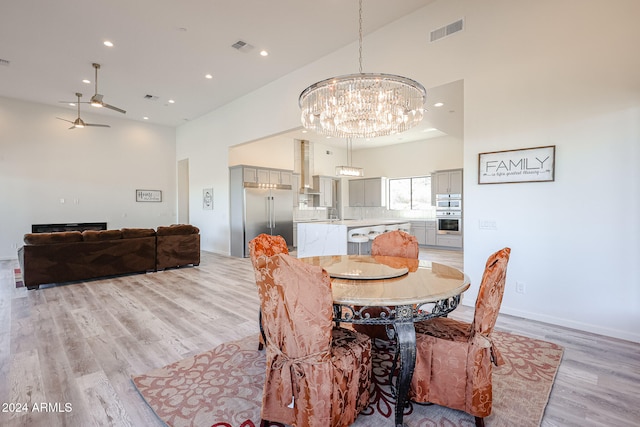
<point x="360" y="36"/>
<point x="362" y="105"/>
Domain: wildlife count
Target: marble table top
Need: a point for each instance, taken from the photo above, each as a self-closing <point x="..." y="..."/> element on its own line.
<point x="424" y="282"/>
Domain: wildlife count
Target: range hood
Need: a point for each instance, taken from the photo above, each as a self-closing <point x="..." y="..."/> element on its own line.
<point x="304" y="159"/>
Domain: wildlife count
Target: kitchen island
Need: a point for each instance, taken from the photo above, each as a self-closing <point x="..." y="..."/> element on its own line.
<point x="319" y="238"/>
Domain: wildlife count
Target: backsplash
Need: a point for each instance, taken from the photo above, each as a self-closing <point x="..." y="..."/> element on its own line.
<point x="318" y="213"/>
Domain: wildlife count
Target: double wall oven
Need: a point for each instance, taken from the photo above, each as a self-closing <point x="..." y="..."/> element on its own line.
<point x="449" y="213"/>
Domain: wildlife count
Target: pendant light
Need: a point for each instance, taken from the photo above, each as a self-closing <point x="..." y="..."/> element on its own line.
<point x="363" y="105"/>
<point x="350" y="171"/>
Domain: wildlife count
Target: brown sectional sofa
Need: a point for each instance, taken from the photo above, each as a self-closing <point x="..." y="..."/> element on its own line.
<point x="72" y="255"/>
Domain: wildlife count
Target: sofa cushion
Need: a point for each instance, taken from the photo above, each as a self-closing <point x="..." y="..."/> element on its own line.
<point x="51" y="238"/>
<point x="132" y="233"/>
<point x="177" y="229"/>
<point x="101" y="235"/>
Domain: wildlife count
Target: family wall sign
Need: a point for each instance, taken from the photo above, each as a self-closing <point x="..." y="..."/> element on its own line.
<point x="523" y="165"/>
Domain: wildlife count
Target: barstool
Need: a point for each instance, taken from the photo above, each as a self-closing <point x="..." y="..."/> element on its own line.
<point x="391" y="227"/>
<point x="359" y="236"/>
<point x="406" y="227"/>
<point x="375" y="231"/>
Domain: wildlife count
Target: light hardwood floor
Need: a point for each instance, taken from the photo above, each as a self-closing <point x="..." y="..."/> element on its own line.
<point x="78" y="345"/>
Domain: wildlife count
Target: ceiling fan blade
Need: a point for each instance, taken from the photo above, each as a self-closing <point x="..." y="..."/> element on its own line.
<point x="111" y="107"/>
<point x="60" y="118"/>
<point x="96" y="125"/>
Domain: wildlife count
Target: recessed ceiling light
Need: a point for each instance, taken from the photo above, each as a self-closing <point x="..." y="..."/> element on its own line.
<point x="86" y="81"/>
<point x="208" y="76"/>
<point x="264" y="53"/>
<point x="304" y="131"/>
<point x="73" y="104"/>
<point x="438" y="104"/>
<point x="108" y="43"/>
<point x="145" y="118"/>
<point x="171" y="101"/>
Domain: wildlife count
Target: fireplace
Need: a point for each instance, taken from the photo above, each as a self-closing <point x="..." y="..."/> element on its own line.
<point x="72" y="226"/>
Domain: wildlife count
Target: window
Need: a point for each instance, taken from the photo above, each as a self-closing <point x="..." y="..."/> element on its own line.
<point x="410" y="193"/>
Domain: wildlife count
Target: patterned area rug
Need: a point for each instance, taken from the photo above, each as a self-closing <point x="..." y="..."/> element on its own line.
<point x="17" y="276"/>
<point x="223" y="388"/>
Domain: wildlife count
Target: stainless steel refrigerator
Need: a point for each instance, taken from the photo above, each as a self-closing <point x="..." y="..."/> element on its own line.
<point x="256" y="210"/>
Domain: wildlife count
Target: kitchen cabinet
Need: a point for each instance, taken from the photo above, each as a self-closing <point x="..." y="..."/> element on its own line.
<point x="449" y="240"/>
<point x="368" y="192"/>
<point x="447" y="182"/>
<point x="425" y="232"/>
<point x="324" y="185"/>
<point x="295" y="186"/>
<point x="266" y="176"/>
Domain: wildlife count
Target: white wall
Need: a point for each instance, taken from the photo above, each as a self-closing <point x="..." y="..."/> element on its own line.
<point x="559" y="72"/>
<point x="95" y="170"/>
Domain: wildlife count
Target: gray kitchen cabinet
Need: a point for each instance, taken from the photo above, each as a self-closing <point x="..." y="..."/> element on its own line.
<point x="295" y="186"/>
<point x="419" y="230"/>
<point x="425" y="232"/>
<point x="324" y="185"/>
<point x="266" y="176"/>
<point x="431" y="232"/>
<point x="449" y="240"/>
<point x="448" y="181"/>
<point x="368" y="192"/>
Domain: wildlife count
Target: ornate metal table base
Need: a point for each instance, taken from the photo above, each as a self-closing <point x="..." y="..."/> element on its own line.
<point x="402" y="319"/>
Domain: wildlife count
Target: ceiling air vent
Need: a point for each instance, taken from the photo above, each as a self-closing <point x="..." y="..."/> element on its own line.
<point x="242" y="46"/>
<point x="447" y="30"/>
<point x="151" y="97"/>
<point x="5" y="62"/>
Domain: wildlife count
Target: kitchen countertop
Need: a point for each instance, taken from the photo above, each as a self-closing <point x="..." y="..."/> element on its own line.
<point x="363" y="222"/>
<point x="360" y="222"/>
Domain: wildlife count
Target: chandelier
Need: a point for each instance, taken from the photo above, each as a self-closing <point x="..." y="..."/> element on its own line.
<point x="349" y="170"/>
<point x="363" y="105"/>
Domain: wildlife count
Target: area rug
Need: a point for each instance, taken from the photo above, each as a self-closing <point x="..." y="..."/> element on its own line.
<point x="17" y="276"/>
<point x="223" y="388"/>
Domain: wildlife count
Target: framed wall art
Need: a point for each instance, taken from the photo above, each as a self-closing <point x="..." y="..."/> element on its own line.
<point x="148" y="195"/>
<point x="207" y="199"/>
<point x="523" y="165"/>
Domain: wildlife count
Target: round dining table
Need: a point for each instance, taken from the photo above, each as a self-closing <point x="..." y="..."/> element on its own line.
<point x="403" y="290"/>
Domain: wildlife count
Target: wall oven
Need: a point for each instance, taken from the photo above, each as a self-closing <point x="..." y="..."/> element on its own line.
<point x="449" y="222"/>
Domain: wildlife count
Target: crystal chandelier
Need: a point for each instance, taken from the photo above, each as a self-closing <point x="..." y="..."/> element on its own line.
<point x="350" y="171"/>
<point x="363" y="105"/>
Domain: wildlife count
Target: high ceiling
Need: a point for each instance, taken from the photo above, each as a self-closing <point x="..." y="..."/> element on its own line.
<point x="164" y="48"/>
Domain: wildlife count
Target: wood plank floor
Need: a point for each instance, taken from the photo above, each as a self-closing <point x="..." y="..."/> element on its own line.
<point x="74" y="347"/>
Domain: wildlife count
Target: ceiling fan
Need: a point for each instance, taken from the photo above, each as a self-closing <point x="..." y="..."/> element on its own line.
<point x="79" y="123"/>
<point x="96" y="99"/>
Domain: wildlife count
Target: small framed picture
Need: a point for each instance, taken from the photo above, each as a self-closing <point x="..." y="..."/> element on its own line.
<point x="148" y="196"/>
<point x="207" y="199"/>
<point x="524" y="165"/>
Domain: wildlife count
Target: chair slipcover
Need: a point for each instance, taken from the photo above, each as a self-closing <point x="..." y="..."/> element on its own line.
<point x="393" y="244"/>
<point x="267" y="245"/>
<point x="454" y="359"/>
<point x="316" y="375"/>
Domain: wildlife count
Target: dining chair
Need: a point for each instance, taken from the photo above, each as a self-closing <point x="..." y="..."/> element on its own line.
<point x="317" y="375"/>
<point x="454" y="359"/>
<point x="267" y="245"/>
<point x="393" y="244"/>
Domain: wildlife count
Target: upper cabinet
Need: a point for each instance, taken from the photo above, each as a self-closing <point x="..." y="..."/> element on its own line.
<point x="447" y="182"/>
<point x="324" y="185"/>
<point x="368" y="192"/>
<point x="266" y="176"/>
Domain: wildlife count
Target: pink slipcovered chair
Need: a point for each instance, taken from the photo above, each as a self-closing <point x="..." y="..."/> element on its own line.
<point x="395" y="243"/>
<point x="267" y="245"/>
<point x="391" y="244"/>
<point x="454" y="359"/>
<point x="316" y="375"/>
